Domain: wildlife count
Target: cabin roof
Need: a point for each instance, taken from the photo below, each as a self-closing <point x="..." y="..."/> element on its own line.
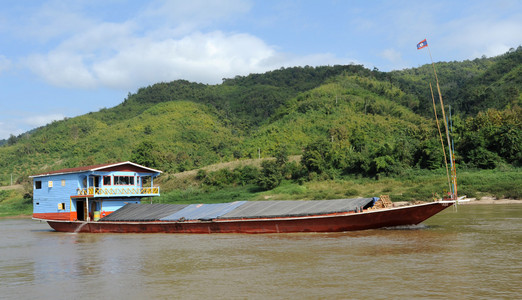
<point x="100" y="167"/>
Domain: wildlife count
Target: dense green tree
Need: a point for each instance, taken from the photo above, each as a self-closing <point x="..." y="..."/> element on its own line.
<point x="271" y="175"/>
<point x="11" y="140"/>
<point x="491" y="138"/>
<point x="429" y="155"/>
<point x="281" y="155"/>
<point x="316" y="156"/>
<point x="144" y="154"/>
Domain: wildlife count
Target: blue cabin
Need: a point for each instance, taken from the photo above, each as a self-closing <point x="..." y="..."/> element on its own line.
<point x="92" y="192"/>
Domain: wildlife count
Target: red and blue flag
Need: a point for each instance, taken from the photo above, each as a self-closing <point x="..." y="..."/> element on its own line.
<point x="422" y="44"/>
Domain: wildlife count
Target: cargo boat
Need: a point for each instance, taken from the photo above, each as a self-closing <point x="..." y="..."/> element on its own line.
<point x="107" y="198"/>
<point x="367" y="218"/>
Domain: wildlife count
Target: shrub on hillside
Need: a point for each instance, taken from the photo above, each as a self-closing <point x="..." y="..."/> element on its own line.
<point x="271" y="175"/>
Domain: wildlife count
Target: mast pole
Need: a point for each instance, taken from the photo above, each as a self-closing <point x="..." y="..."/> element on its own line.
<point x="440" y="135"/>
<point x="453" y="191"/>
<point x="453" y="164"/>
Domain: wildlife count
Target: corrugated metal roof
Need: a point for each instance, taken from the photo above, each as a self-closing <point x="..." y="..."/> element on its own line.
<point x="143" y="212"/>
<point x="203" y="211"/>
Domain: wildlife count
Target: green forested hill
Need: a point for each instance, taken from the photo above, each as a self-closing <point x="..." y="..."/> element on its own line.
<point x="171" y="130"/>
<point x="343" y="120"/>
<point x="469" y="86"/>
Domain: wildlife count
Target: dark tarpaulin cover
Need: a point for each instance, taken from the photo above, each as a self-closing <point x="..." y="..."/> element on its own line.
<point x="134" y="212"/>
<point x="203" y="211"/>
<point x="235" y="210"/>
<point x="287" y="208"/>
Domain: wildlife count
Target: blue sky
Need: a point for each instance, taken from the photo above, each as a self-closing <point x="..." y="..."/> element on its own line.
<point x="66" y="58"/>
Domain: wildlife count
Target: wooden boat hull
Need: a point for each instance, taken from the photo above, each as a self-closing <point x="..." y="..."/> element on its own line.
<point x="371" y="219"/>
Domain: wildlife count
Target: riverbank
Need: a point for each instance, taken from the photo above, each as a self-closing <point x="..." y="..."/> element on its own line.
<point x="17" y="217"/>
<point x="489" y="200"/>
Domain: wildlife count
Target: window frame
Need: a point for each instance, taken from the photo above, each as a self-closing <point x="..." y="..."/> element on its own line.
<point x="129" y="182"/>
<point x="110" y="180"/>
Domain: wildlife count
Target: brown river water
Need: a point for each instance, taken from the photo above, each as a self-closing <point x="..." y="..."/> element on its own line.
<point x="474" y="253"/>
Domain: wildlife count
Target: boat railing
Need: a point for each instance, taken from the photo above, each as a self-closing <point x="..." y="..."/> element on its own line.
<point x="120" y="191"/>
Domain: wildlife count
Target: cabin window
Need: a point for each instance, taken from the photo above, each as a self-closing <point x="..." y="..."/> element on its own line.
<point x="61" y="206"/>
<point x="63" y="182"/>
<point x="38" y="184"/>
<point x="50" y="184"/>
<point x="123" y="180"/>
<point x="146" y="180"/>
<point x="106" y="180"/>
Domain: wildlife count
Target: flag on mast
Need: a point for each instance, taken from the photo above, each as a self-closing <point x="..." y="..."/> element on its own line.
<point x="422" y="44"/>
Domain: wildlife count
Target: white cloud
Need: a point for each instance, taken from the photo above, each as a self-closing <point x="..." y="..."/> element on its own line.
<point x="391" y="55"/>
<point x="205" y="57"/>
<point x="5" y="131"/>
<point x="125" y="55"/>
<point x="62" y="69"/>
<point x="40" y="120"/>
<point x="393" y="58"/>
<point x="197" y="57"/>
<point x="183" y="17"/>
<point x="483" y="36"/>
<point x="481" y="28"/>
<point x="8" y="128"/>
<point x="164" y="43"/>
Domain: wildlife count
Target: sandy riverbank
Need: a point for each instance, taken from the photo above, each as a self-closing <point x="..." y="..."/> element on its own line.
<point x="471" y="201"/>
<point x="489" y="200"/>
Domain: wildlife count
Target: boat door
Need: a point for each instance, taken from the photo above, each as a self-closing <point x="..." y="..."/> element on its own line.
<point x="81" y="208"/>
